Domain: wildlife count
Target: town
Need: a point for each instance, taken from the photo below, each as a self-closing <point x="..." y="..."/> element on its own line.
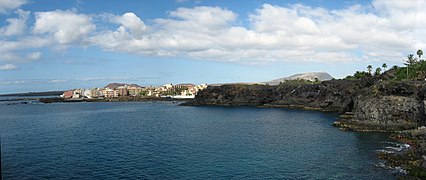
<point x="116" y="90"/>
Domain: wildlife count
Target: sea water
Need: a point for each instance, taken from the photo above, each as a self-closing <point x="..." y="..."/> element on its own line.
<point x="163" y="140"/>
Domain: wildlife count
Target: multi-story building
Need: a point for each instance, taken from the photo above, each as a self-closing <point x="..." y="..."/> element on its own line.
<point x="135" y="91"/>
<point x="95" y="92"/>
<point x="109" y="93"/>
<point x="122" y="91"/>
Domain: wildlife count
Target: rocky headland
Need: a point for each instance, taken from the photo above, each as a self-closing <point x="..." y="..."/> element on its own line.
<point x="366" y="104"/>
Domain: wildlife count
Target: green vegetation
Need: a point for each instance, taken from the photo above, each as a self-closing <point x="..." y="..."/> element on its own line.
<point x="369" y="68"/>
<point x="420" y="53"/>
<point x="358" y="75"/>
<point x="414" y="69"/>
<point x="384" y="66"/>
<point x="378" y="72"/>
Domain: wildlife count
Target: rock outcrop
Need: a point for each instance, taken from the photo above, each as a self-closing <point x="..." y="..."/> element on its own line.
<point x="235" y="95"/>
<point x="414" y="158"/>
<point x="387" y="106"/>
<point x="367" y="104"/>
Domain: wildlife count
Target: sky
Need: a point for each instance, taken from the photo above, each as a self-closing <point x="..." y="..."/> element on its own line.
<point x="59" y="45"/>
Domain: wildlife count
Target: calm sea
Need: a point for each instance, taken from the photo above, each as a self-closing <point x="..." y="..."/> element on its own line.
<point x="162" y="140"/>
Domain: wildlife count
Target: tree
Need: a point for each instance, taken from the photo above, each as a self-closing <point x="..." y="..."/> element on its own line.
<point x="419" y="53"/>
<point x="360" y="74"/>
<point x="410" y="61"/>
<point x="395" y="67"/>
<point x="378" y="70"/>
<point x="369" y="68"/>
<point x="384" y="66"/>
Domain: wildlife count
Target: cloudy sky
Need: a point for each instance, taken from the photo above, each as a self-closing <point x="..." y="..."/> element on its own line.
<point x="58" y="45"/>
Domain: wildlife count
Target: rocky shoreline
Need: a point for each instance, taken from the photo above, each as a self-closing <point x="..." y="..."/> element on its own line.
<point x="120" y="99"/>
<point x="16" y="101"/>
<point x="369" y="104"/>
<point x="413" y="159"/>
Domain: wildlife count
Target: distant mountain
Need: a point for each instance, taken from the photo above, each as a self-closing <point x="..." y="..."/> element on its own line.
<point x="322" y="76"/>
<point x="116" y="85"/>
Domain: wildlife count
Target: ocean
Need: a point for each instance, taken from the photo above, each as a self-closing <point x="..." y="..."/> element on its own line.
<point x="163" y="140"/>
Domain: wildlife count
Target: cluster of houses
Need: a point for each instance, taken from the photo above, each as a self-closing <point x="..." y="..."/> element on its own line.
<point x="125" y="90"/>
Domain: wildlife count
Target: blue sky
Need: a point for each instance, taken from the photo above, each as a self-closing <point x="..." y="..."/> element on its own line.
<point x="59" y="45"/>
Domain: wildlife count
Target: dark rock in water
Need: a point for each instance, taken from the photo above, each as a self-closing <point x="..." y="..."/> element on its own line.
<point x="368" y="104"/>
<point x="414" y="159"/>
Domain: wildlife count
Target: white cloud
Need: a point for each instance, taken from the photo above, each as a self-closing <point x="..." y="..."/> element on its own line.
<point x="7" y="67"/>
<point x="6" y="5"/>
<point x="57" y="80"/>
<point x="65" y="26"/>
<point x="131" y="23"/>
<point x="16" y="26"/>
<point x="15" y="51"/>
<point x="17" y="82"/>
<point x="381" y="31"/>
<point x="378" y="32"/>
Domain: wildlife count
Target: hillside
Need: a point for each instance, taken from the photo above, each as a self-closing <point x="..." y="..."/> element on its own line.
<point x="310" y="76"/>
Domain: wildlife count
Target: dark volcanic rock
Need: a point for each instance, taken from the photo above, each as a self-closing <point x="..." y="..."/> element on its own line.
<point x="387" y="106"/>
<point x="235" y="95"/>
<point x="414" y="159"/>
<point x="335" y="95"/>
<point x="371" y="104"/>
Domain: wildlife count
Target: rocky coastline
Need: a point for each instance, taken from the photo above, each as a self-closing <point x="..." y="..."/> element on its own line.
<point x="412" y="160"/>
<point x="368" y="104"/>
<point x="119" y="99"/>
<point x="16" y="101"/>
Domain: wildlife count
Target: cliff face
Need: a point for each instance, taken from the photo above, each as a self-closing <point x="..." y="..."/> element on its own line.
<point x="388" y="106"/>
<point x="234" y="95"/>
<point x="335" y="95"/>
<point x="368" y="104"/>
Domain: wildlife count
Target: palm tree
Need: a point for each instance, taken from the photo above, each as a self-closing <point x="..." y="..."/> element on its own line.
<point x="378" y="70"/>
<point x="409" y="61"/>
<point x="384" y="66"/>
<point x="419" y="53"/>
<point x="369" y="68"/>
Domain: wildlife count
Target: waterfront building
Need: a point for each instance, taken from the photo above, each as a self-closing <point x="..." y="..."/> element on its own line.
<point x="68" y="94"/>
<point x="77" y="93"/>
<point x="109" y="93"/>
<point x="134" y="90"/>
<point x="122" y="91"/>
